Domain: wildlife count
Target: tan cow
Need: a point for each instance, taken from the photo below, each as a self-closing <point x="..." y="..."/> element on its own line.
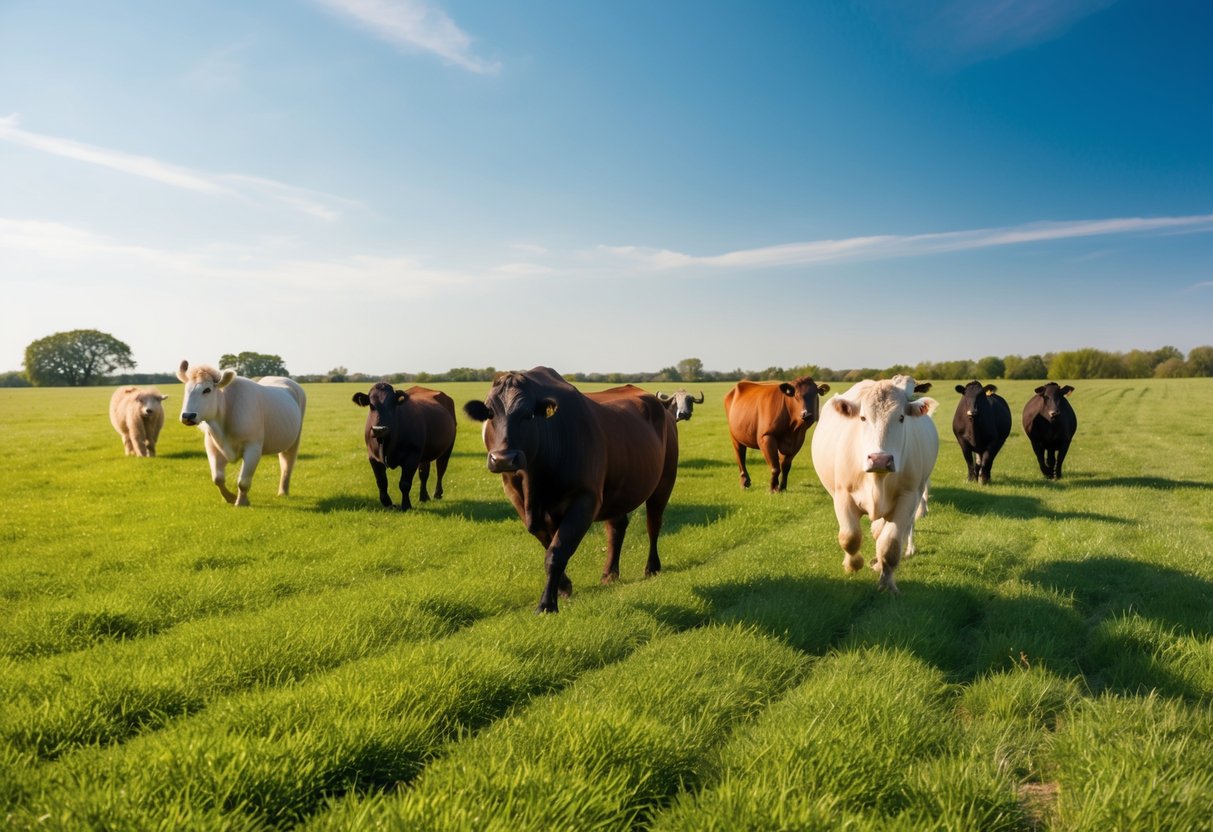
<point x="243" y="419"/>
<point x="137" y="415"/>
<point x="774" y="418"/>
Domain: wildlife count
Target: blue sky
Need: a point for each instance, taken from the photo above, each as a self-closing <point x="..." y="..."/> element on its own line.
<point x="394" y="185"/>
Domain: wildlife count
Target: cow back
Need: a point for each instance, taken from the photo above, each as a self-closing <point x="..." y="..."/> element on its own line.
<point x="640" y="444"/>
<point x="269" y="411"/>
<point x="755" y="409"/>
<point x="432" y="412"/>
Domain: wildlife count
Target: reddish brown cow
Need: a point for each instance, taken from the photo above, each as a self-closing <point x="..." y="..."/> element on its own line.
<point x="567" y="459"/>
<point x="773" y="418"/>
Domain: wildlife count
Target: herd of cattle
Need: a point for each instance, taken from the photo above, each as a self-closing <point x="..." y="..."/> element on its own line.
<point x="568" y="459"/>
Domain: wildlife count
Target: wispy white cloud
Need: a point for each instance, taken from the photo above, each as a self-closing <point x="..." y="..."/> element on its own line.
<point x="414" y="24"/>
<point x="983" y="29"/>
<point x="257" y="190"/>
<point x="400" y="276"/>
<point x="890" y="246"/>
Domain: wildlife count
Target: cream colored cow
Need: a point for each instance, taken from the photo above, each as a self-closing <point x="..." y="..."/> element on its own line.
<point x="137" y="415"/>
<point x="242" y="419"/>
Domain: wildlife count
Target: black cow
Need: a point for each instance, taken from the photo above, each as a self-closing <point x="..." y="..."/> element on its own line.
<point x="982" y="423"/>
<point x="1050" y="422"/>
<point x="567" y="459"/>
<point x="407" y="429"/>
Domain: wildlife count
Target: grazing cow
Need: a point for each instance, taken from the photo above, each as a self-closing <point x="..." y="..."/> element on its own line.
<point x="982" y="423"/>
<point x="137" y="415"/>
<point x="407" y="429"/>
<point x="567" y="459"/>
<point x="874" y="452"/>
<point x="774" y="418"/>
<point x="681" y="403"/>
<point x="1050" y="423"/>
<point x="243" y="419"/>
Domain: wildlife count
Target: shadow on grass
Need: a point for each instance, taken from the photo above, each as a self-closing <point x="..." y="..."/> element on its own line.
<point x="197" y="453"/>
<point x="979" y="501"/>
<point x="1156" y="483"/>
<point x="700" y="462"/>
<point x="967" y="632"/>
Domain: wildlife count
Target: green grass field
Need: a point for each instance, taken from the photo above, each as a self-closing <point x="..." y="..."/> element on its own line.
<point x="168" y="662"/>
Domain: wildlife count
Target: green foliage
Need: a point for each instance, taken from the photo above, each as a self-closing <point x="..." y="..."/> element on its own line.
<point x="690" y="369"/>
<point x="75" y="359"/>
<point x="320" y="662"/>
<point x="1020" y="368"/>
<point x="991" y="367"/>
<point x="14" y="379"/>
<point x="254" y="364"/>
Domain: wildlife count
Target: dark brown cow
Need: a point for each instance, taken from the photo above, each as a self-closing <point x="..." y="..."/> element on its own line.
<point x="408" y="429"/>
<point x="567" y="459"/>
<point x="1050" y="423"/>
<point x="774" y="418"/>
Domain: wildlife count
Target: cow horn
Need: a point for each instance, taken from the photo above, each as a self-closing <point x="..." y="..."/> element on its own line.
<point x="700" y="399"/>
<point x="665" y="397"/>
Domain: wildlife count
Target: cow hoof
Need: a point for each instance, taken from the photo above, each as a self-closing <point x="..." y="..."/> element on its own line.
<point x="652" y="573"/>
<point x="610" y="578"/>
<point x="544" y="609"/>
<point x="565" y="589"/>
<point x="852" y="563"/>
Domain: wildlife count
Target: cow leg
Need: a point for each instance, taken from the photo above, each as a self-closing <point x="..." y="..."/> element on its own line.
<point x="654" y="513"/>
<point x="1046" y="468"/>
<point x="286" y="466"/>
<point x="248" y="467"/>
<point x="849" y="535"/>
<point x="893" y="536"/>
<point x="408" y="469"/>
<point x="440" y="470"/>
<point x="573" y="526"/>
<point x="769" y="446"/>
<point x="785" y="468"/>
<point x="739" y="451"/>
<point x="968" y="452"/>
<point x="1061" y="455"/>
<point x="218" y="464"/>
<point x="380" y="472"/>
<point x="127" y="444"/>
<point x="616" y="527"/>
<point x="423" y="474"/>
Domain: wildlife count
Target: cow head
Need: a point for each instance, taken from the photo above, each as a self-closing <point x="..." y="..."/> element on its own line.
<point x="383" y="399"/>
<point x="514" y="415"/>
<point x="801" y="398"/>
<point x="681" y="403"/>
<point x="881" y="410"/>
<point x="150" y="402"/>
<point x="203" y="392"/>
<point x="1052" y="395"/>
<point x="973" y="397"/>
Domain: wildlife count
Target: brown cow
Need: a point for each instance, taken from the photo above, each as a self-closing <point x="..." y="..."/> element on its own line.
<point x="407" y="429"/>
<point x="774" y="418"/>
<point x="567" y="459"/>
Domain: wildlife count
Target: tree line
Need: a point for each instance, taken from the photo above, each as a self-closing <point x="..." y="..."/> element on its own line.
<point x="86" y="357"/>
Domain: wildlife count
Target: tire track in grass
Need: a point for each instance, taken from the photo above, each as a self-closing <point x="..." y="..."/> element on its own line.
<point x="271" y="757"/>
<point x="606" y="753"/>
<point x="109" y="695"/>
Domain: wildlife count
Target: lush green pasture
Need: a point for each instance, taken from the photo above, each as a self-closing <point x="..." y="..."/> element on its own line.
<point x="168" y="662"/>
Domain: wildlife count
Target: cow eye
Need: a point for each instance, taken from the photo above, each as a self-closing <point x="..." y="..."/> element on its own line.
<point x="902" y="418"/>
<point x="207" y="390"/>
<point x="863" y="418"/>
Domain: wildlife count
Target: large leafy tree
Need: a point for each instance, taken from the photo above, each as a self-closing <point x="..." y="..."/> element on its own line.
<point x="75" y="359"/>
<point x="252" y="364"/>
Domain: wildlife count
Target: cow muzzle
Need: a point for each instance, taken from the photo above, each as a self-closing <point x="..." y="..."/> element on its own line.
<point x="189" y="419"/>
<point x="380" y="432"/>
<point x="505" y="462"/>
<point x="880" y="464"/>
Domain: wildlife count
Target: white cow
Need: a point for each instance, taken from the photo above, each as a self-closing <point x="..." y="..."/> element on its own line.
<point x="874" y="450"/>
<point x="243" y="419"/>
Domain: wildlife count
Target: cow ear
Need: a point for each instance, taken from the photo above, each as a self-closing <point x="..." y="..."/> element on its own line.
<point x="226" y="378"/>
<point x="185" y="365"/>
<point x="822" y="389"/>
<point x="990" y="389"/>
<point x="362" y="399"/>
<point x="844" y="407"/>
<point x="1040" y="391"/>
<point x="921" y="407"/>
<point x="478" y="411"/>
<point x="960" y="388"/>
<point x="162" y="398"/>
<point x="787" y="389"/>
<point x="922" y="388"/>
<point x="1067" y="390"/>
<point x="546" y="408"/>
<point x="401" y="397"/>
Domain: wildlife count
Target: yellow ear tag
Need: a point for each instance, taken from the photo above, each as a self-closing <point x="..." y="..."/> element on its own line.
<point x="549" y="411"/>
